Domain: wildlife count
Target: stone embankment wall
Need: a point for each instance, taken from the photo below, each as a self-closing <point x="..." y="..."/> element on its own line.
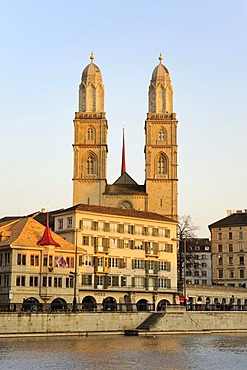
<point x="172" y="321"/>
<point x="194" y="322"/>
<point x="68" y="323"/>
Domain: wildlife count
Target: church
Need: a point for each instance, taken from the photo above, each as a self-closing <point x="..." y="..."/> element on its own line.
<point x="125" y="233"/>
<point x="159" y="193"/>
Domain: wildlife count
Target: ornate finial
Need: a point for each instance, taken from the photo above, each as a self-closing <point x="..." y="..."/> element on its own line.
<point x="92" y="57"/>
<point x="160" y="58"/>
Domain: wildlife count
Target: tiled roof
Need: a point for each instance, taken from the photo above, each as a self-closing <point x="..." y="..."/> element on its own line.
<point x="39" y="216"/>
<point x="26" y="232"/>
<point x="198" y="245"/>
<point x="118" y="212"/>
<point x="235" y="219"/>
<point x="125" y="179"/>
<point x="125" y="189"/>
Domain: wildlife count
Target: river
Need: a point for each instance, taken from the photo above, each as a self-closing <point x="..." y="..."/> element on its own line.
<point x="119" y="352"/>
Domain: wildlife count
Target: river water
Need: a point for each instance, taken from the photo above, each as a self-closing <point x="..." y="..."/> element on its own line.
<point x="120" y="352"/>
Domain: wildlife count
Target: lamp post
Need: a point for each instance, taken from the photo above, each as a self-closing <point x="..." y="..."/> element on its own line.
<point x="185" y="260"/>
<point x="74" y="307"/>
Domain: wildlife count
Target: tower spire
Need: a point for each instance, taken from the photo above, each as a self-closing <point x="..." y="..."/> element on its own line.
<point x="47" y="238"/>
<point x="123" y="167"/>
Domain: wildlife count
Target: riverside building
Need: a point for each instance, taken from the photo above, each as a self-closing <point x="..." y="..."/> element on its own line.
<point x="130" y="255"/>
<point x="229" y="249"/>
<point x="34" y="264"/>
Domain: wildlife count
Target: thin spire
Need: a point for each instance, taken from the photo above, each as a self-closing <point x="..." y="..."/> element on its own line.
<point x="123" y="167"/>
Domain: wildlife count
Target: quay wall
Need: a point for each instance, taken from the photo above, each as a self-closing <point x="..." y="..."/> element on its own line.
<point x="21" y="324"/>
<point x="12" y="323"/>
<point x="202" y="322"/>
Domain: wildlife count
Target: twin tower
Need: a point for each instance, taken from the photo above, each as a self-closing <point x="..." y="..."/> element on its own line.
<point x="159" y="192"/>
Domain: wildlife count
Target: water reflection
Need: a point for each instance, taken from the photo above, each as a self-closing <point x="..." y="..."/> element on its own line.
<point x="119" y="352"/>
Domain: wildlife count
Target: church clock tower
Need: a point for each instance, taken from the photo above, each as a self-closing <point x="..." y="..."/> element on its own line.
<point x="161" y="145"/>
<point x="90" y="139"/>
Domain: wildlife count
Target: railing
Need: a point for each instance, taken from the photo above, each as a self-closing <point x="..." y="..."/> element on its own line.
<point x="112" y="307"/>
<point x="216" y="307"/>
<point x="68" y="307"/>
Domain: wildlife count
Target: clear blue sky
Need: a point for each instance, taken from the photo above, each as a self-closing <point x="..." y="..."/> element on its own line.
<point x="46" y="44"/>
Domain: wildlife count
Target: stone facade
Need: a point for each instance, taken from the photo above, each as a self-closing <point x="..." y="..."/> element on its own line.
<point x="159" y="193"/>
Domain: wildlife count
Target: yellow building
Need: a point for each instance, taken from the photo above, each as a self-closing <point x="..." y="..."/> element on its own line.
<point x="159" y="193"/>
<point x="34" y="265"/>
<point x="130" y="255"/>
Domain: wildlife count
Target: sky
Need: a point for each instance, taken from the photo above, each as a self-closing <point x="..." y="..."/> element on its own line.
<point x="45" y="45"/>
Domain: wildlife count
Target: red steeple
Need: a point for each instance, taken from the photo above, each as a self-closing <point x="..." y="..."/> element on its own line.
<point x="123" y="167"/>
<point x="47" y="238"/>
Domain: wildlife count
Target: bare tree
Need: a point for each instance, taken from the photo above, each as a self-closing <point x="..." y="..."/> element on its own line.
<point x="186" y="228"/>
<point x="186" y="237"/>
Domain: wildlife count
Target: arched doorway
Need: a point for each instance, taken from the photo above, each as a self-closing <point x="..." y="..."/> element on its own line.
<point x="109" y="304"/>
<point x="59" y="304"/>
<point x="30" y="304"/>
<point x="162" y="304"/>
<point x="89" y="303"/>
<point x="142" y="305"/>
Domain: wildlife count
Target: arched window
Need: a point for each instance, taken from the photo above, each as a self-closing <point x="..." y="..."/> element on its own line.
<point x="90" y="165"/>
<point x="90" y="134"/>
<point x="162" y="135"/>
<point x="162" y="165"/>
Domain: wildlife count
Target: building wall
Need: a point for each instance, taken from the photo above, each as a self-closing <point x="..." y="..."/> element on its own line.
<point x="118" y="249"/>
<point x="26" y="280"/>
<point x="229" y="258"/>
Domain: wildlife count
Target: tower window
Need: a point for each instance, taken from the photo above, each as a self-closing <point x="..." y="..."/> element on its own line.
<point x="162" y="135"/>
<point x="90" y="165"/>
<point x="90" y="134"/>
<point x="162" y="165"/>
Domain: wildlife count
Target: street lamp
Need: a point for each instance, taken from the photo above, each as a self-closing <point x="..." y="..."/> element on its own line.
<point x="185" y="260"/>
<point x="74" y="307"/>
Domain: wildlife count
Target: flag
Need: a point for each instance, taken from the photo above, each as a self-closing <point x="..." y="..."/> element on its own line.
<point x="61" y="262"/>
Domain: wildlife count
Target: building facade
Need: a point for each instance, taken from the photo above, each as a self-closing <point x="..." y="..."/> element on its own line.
<point x="198" y="266"/>
<point x="229" y="250"/>
<point x="130" y="255"/>
<point x="159" y="193"/>
<point x="35" y="265"/>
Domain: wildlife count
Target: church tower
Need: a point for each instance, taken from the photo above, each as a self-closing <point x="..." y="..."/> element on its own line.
<point x="90" y="139"/>
<point x="161" y="145"/>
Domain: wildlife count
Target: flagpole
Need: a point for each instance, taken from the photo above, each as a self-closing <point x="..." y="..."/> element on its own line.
<point x="74" y="308"/>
